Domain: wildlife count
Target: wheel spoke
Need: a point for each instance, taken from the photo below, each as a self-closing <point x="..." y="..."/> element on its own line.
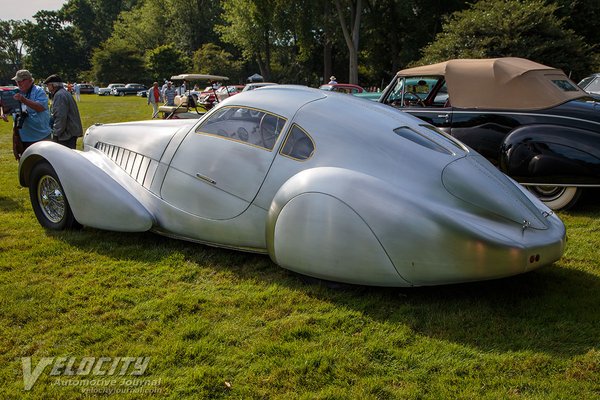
<point x="51" y="199"/>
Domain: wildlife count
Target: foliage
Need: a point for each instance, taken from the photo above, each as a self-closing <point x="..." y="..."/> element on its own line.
<point x="191" y="23"/>
<point x="395" y="31"/>
<point x="221" y="324"/>
<point x="93" y="19"/>
<point x="502" y="28"/>
<point x="51" y="47"/>
<point x="212" y="59"/>
<point x="303" y="41"/>
<point x="142" y="28"/>
<point x="281" y="37"/>
<point x="121" y="63"/>
<point x="351" y="33"/>
<point x="165" y="61"/>
<point x="11" y="48"/>
<point x="248" y="26"/>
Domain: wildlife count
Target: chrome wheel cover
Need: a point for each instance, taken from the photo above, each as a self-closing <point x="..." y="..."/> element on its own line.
<point x="51" y="199"/>
<point x="548" y="193"/>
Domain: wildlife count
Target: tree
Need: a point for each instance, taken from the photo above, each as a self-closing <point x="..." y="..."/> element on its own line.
<point x="142" y="28"/>
<point x="51" y="47"/>
<point x="165" y="61"/>
<point x="580" y="16"/>
<point x="212" y="59"/>
<point x="91" y="23"/>
<point x="351" y="34"/>
<point x="247" y="24"/>
<point x="503" y="28"/>
<point x="395" y="31"/>
<point x="191" y="22"/>
<point x="120" y="63"/>
<point x="11" y="49"/>
<point x="278" y="35"/>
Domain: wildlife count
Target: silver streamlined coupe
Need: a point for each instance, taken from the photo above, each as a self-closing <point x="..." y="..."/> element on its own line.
<point x="327" y="184"/>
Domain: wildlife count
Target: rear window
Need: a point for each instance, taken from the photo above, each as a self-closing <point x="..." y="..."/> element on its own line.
<point x="564" y="85"/>
<point x="298" y="144"/>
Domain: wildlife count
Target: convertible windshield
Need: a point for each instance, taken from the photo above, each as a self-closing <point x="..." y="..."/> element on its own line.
<point x="417" y="90"/>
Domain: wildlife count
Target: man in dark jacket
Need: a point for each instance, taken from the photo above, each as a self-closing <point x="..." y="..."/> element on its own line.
<point x="66" y="122"/>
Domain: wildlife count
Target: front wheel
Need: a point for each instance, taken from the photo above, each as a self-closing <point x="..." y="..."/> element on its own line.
<point x="48" y="199"/>
<point x="556" y="197"/>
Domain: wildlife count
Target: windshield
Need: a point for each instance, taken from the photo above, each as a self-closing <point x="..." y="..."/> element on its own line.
<point x="416" y="90"/>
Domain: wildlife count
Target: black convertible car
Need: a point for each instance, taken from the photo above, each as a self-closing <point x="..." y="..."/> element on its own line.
<point x="529" y="120"/>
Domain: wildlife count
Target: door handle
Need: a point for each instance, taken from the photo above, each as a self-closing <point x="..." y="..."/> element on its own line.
<point x="206" y="179"/>
<point x="445" y="116"/>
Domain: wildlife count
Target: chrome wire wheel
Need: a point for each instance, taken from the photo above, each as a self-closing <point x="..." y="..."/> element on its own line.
<point x="51" y="199"/>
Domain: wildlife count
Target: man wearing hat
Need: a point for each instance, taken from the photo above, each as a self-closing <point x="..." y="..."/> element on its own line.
<point x="32" y="123"/>
<point x="332" y="80"/>
<point x="66" y="121"/>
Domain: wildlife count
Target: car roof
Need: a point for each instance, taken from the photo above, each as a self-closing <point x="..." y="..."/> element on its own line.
<point x="346" y="85"/>
<point x="200" y="77"/>
<point x="501" y="83"/>
<point x="290" y="100"/>
<point x="283" y="100"/>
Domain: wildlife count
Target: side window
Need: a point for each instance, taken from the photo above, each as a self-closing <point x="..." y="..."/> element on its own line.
<point x="246" y="125"/>
<point x="412" y="91"/>
<point x="298" y="144"/>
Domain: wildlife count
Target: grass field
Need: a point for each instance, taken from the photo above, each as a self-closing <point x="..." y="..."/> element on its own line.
<point x="216" y="323"/>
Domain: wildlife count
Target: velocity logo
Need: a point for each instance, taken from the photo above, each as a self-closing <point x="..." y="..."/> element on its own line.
<point x="71" y="366"/>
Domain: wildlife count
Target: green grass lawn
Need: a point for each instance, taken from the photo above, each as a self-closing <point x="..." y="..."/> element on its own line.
<point x="223" y="324"/>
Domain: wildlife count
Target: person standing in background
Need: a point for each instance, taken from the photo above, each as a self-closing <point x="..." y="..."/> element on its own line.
<point x="77" y="91"/>
<point x="66" y="121"/>
<point x="169" y="94"/>
<point x="154" y="97"/>
<point x="32" y="121"/>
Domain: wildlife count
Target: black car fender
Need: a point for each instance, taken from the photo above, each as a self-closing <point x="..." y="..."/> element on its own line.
<point x="551" y="153"/>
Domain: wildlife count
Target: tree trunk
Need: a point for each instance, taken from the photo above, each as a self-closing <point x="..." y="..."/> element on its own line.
<point x="351" y="36"/>
<point x="327" y="63"/>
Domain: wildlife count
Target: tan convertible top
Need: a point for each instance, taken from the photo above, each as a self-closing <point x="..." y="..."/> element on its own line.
<point x="503" y="83"/>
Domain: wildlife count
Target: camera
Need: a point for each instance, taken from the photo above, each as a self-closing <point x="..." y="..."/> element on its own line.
<point x="20" y="117"/>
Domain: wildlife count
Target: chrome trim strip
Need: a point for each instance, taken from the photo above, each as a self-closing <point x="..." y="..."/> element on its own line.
<point x="512" y="113"/>
<point x="560" y="184"/>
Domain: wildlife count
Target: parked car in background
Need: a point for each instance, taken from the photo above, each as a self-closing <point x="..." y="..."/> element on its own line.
<point x="128" y="89"/>
<point x="193" y="103"/>
<point x="529" y="120"/>
<point x="591" y="84"/>
<point x="313" y="179"/>
<point x="373" y="96"/>
<point x="107" y="90"/>
<point x="142" y="93"/>
<point x="86" y="88"/>
<point x="342" y="88"/>
<point x="227" y="91"/>
<point x="256" y="85"/>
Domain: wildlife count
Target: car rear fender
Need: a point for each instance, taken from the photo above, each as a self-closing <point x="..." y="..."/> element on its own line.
<point x="96" y="199"/>
<point x="312" y="229"/>
<point x="552" y="151"/>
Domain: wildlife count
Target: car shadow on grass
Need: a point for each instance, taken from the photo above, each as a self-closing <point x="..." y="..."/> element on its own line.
<point x="8" y="204"/>
<point x="552" y="310"/>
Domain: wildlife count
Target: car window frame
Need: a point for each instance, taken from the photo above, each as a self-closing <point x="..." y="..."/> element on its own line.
<point x="282" y="122"/>
<point x="287" y="137"/>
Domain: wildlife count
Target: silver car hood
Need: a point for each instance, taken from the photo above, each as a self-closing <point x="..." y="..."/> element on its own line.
<point x="149" y="138"/>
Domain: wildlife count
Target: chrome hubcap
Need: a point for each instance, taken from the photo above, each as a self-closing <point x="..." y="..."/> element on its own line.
<point x="51" y="199"/>
<point x="549" y="192"/>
